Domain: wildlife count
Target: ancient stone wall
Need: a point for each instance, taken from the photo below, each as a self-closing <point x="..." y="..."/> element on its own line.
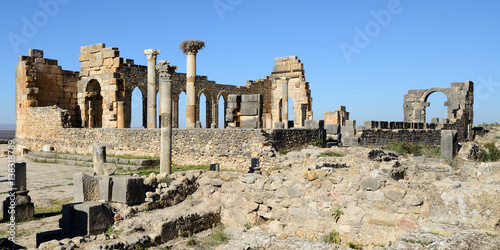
<point x="429" y="137"/>
<point x="101" y="93"/>
<point x="232" y="148"/>
<point x="460" y="100"/>
<point x="298" y="90"/>
<point x="287" y="139"/>
<point x="41" y="82"/>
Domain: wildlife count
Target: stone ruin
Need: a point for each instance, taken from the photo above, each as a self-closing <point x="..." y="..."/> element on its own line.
<point x="99" y="96"/>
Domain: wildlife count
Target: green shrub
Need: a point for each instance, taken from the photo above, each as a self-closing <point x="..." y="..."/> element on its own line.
<point x="191" y="241"/>
<point x="217" y="237"/>
<point x="332" y="237"/>
<point x="489" y="153"/>
<point x="431" y="152"/>
<point x="336" y="213"/>
<point x="353" y="245"/>
<point x="318" y="142"/>
<point x="331" y="154"/>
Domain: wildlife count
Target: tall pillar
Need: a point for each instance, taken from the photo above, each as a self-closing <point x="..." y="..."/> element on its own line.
<point x="121" y="114"/>
<point x="190" y="48"/>
<point x="190" y="91"/>
<point x="284" y="101"/>
<point x="151" y="54"/>
<point x="165" y="72"/>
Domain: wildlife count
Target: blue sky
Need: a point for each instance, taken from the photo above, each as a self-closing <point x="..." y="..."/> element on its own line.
<point x="408" y="44"/>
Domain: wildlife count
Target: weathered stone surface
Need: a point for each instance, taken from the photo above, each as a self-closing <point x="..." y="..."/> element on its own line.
<point x="128" y="190"/>
<point x="89" y="217"/>
<point x="449" y="144"/>
<point x="470" y="205"/>
<point x="370" y="184"/>
<point x="85" y="188"/>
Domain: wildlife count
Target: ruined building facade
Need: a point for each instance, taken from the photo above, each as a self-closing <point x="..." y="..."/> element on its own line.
<point x="99" y="96"/>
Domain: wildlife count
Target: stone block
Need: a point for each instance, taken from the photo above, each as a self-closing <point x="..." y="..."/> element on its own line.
<point x="105" y="188"/>
<point x="89" y="218"/>
<point x="314" y="124"/>
<point x="332" y="128"/>
<point x="435" y="120"/>
<point x="250" y="124"/>
<point x="371" y="124"/>
<point x="249" y="111"/>
<point x="350" y="123"/>
<point x="35" y="53"/>
<point x="279" y="125"/>
<point x="251" y="98"/>
<point x="22" y="212"/>
<point x="351" y="141"/>
<point x="85" y="188"/>
<point x="449" y="144"/>
<point x="233" y="98"/>
<point x="215" y="167"/>
<point x="128" y="190"/>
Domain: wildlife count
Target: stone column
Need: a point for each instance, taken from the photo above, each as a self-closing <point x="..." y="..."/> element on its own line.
<point x="121" y="114"/>
<point x="190" y="90"/>
<point x="99" y="158"/>
<point x="190" y="48"/>
<point x="165" y="72"/>
<point x="151" y="54"/>
<point x="18" y="198"/>
<point x="284" y="101"/>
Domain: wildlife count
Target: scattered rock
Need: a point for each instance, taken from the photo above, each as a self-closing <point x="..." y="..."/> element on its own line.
<point x="370" y="184"/>
<point x="380" y="155"/>
<point x="249" y="179"/>
<point x="150" y="181"/>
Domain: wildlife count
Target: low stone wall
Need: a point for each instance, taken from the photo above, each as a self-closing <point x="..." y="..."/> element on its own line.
<point x="232" y="148"/>
<point x="383" y="136"/>
<point x="294" y="138"/>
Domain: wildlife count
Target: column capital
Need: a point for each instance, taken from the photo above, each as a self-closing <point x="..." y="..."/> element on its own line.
<point x="152" y="53"/>
<point x="165" y="70"/>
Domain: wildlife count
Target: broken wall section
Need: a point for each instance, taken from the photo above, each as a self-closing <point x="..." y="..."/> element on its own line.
<point x="298" y="90"/>
<point x="460" y="100"/>
<point x="40" y="82"/>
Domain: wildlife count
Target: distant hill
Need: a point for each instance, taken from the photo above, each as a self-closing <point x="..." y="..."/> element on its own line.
<point x="7" y="126"/>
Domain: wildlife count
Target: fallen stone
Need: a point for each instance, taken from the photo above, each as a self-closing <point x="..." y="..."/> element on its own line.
<point x="370" y="184"/>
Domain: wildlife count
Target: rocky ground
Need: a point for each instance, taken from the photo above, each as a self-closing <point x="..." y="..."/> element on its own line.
<point x="337" y="198"/>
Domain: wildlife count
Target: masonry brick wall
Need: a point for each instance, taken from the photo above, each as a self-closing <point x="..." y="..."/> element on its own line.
<point x="232" y="148"/>
<point x="383" y="136"/>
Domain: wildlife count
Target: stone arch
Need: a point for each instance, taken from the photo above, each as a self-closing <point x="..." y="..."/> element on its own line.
<point x="208" y="107"/>
<point x="128" y="105"/>
<point x="460" y="100"/>
<point x="93" y="111"/>
<point x="425" y="96"/>
<point x="176" y="107"/>
<point x="217" y="110"/>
